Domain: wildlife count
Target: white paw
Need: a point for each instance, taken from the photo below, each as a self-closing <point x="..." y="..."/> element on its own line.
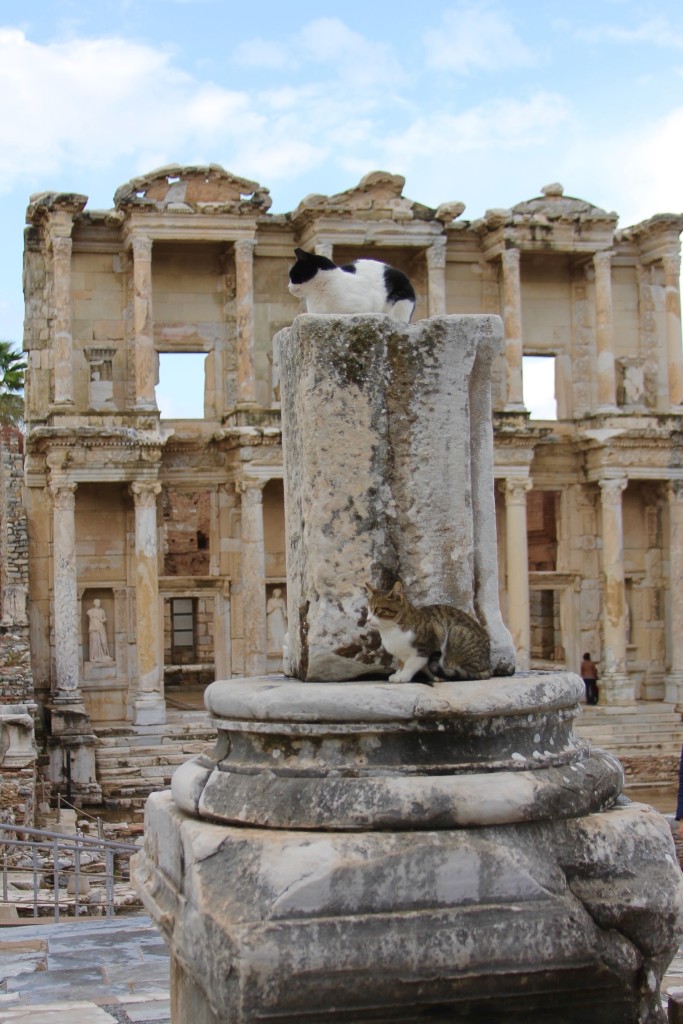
<point x="400" y="677"/>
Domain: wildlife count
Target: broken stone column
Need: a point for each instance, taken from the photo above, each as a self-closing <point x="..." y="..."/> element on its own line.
<point x="360" y="851"/>
<point x="388" y="451"/>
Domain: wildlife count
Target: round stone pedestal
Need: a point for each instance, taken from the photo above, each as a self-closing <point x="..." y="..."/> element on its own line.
<point x="377" y="852"/>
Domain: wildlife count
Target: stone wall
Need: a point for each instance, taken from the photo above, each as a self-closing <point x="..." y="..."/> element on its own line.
<point x="16" y="681"/>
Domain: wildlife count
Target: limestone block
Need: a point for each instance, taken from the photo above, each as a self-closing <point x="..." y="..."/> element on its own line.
<point x="388" y="451"/>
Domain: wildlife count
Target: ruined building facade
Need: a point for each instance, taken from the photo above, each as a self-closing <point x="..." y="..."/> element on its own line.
<point x="173" y="530"/>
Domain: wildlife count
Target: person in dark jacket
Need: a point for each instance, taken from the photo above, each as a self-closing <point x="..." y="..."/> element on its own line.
<point x="589" y="674"/>
<point x="679" y="801"/>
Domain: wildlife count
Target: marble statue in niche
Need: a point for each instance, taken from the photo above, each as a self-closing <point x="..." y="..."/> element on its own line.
<point x="98" y="648"/>
<point x="276" y="620"/>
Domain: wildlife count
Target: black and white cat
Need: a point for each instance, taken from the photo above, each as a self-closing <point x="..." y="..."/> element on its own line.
<point x="364" y="286"/>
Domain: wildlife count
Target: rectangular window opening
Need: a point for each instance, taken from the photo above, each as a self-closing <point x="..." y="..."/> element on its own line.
<point x="180" y="391"/>
<point x="538" y="384"/>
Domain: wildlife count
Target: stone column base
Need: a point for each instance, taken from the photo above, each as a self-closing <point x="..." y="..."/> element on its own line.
<point x="364" y="852"/>
<point x="616" y="689"/>
<point x="673" y="689"/>
<point x="149" y="710"/>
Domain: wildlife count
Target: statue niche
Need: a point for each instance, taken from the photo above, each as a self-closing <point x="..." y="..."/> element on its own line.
<point x="97" y="631"/>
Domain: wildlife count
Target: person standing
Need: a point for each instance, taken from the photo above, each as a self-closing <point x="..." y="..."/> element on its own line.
<point x="589" y="674"/>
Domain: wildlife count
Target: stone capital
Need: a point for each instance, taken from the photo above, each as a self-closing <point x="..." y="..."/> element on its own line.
<point x="251" y="492"/>
<point x="515" y="490"/>
<point x="510" y="259"/>
<point x="142" y="247"/>
<point x="145" y="493"/>
<point x="671" y="262"/>
<point x="436" y="254"/>
<point x="61" y="246"/>
<point x="603" y="258"/>
<point x="611" y="489"/>
<point x="63" y="495"/>
<point x="244" y="249"/>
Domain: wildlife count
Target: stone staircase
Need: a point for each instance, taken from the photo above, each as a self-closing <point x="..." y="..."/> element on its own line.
<point x="646" y="738"/>
<point x="134" y="761"/>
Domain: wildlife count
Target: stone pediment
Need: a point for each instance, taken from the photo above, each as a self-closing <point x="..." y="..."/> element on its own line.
<point x="554" y="204"/>
<point x="201" y="189"/>
<point x="551" y="206"/>
<point x="378" y="196"/>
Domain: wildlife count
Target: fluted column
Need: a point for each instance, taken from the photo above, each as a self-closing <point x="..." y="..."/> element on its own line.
<point x="244" y="287"/>
<point x="604" y="333"/>
<point x="150" y="707"/>
<point x="436" y="277"/>
<point x="672" y="296"/>
<point x="517" y="566"/>
<point x="253" y="578"/>
<point x="63" y="315"/>
<point x="615" y="687"/>
<point x="512" y="317"/>
<point x="674" y="678"/>
<point x="65" y="593"/>
<point x="145" y="356"/>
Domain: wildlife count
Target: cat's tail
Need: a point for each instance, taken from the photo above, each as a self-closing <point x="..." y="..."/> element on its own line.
<point x="455" y="673"/>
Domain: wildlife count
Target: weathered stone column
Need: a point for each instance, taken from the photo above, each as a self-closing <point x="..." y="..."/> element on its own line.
<point x="65" y="592"/>
<point x="324" y="249"/>
<point x="672" y="273"/>
<point x="436" y="277"/>
<point x="604" y="333"/>
<point x="517" y="559"/>
<point x="615" y="686"/>
<point x="388" y="453"/>
<point x="512" y="317"/>
<point x="253" y="578"/>
<point x="244" y="301"/>
<point x="145" y="356"/>
<point x="674" y="678"/>
<point x="60" y="235"/>
<point x="150" y="707"/>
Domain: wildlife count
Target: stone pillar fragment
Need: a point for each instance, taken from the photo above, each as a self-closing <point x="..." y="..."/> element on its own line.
<point x="674" y="679"/>
<point x="672" y="298"/>
<point x="145" y="356"/>
<point x="384" y="456"/>
<point x="517" y="557"/>
<point x="67" y="660"/>
<point x="244" y="301"/>
<point x="604" y="333"/>
<point x="253" y="578"/>
<point x="436" y="277"/>
<point x="616" y="688"/>
<point x="512" y="316"/>
<point x="150" y="707"/>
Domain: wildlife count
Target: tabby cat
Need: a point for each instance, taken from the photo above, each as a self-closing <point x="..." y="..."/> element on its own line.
<point x="438" y="640"/>
<point x="364" y="286"/>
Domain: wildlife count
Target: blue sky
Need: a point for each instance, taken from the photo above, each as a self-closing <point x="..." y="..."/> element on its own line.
<point x="483" y="102"/>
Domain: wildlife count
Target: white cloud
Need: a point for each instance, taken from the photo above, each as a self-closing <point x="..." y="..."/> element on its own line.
<point x="476" y="37"/>
<point x="88" y="102"/>
<point x="656" y="31"/>
<point x="263" y="53"/>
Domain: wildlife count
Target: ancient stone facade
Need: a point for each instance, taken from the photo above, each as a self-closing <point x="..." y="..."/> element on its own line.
<point x="176" y="527"/>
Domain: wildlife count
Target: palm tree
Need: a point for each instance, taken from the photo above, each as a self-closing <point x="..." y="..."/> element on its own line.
<point x="12" y="368"/>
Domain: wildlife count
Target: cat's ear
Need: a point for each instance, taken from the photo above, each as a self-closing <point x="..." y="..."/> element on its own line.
<point x="301" y="254"/>
<point x="370" y="589"/>
<point x="397" y="589"/>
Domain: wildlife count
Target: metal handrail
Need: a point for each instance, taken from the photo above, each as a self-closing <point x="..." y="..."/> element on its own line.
<point x="73" y="845"/>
